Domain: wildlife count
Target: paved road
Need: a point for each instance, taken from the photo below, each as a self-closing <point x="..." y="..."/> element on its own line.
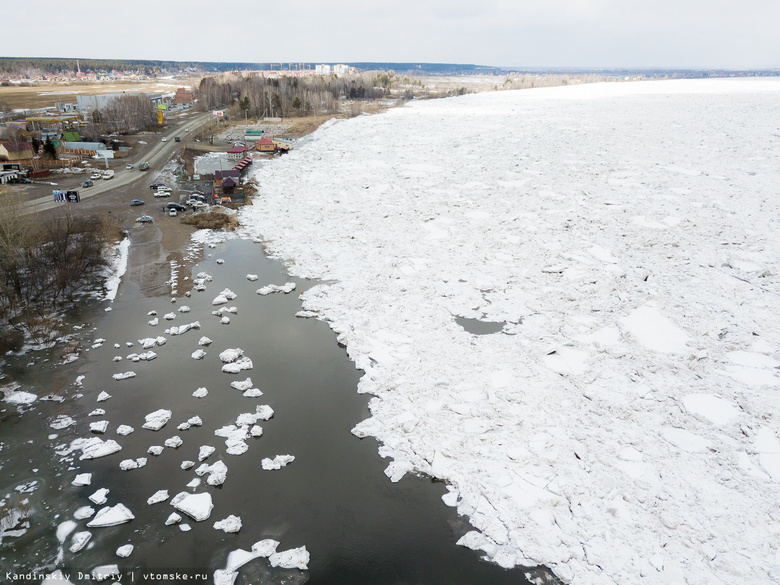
<point x="158" y="155"/>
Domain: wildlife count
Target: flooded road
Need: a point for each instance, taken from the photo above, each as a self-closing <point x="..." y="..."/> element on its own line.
<point x="334" y="498"/>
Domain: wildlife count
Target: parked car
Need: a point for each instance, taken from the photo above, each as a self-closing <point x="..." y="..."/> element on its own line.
<point x="128" y="166"/>
<point x="172" y="213"/>
<point x="108" y="174"/>
<point x="145" y="219"/>
<point x="162" y="193"/>
<point x="176" y="206"/>
<point x="86" y="184"/>
<point x="156" y="185"/>
<point x="198" y="205"/>
<point x="136" y="202"/>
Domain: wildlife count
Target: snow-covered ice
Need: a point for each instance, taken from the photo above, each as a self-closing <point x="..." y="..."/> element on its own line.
<point x="103" y="396"/>
<point x="277" y="462"/>
<point x="231" y="524"/>
<point x="157" y="419"/>
<point x="100" y="497"/>
<point x="200" y="393"/>
<point x="197" y="506"/>
<point x="157" y="497"/>
<point x="79" y="541"/>
<point x="124" y="375"/>
<point x="288" y="287"/>
<point x="125" y="551"/>
<point x="96" y="447"/>
<point x="99" y="426"/>
<point x="82" y="479"/>
<point x="198" y="354"/>
<point x="296" y="558"/>
<point x="620" y="426"/>
<point x="124" y="430"/>
<point x="111" y="516"/>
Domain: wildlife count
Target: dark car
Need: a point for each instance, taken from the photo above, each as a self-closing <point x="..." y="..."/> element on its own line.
<point x="175" y="206"/>
<point x="86" y="184"/>
<point x="136" y="202"/>
<point x="156" y="185"/>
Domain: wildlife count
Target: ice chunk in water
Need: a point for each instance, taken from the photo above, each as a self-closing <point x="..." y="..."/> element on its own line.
<point x="157" y="419"/>
<point x="111" y="516"/>
<point x="197" y="506"/>
<point x="231" y="524"/>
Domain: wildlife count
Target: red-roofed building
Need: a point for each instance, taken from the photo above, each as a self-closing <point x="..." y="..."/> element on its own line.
<point x="237" y="152"/>
<point x="265" y="144"/>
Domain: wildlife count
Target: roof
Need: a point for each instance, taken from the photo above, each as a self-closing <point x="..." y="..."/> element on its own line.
<point x="237" y="150"/>
<point x="228" y="182"/>
<point x="17" y="146"/>
<point x="230" y="173"/>
<point x="71" y="137"/>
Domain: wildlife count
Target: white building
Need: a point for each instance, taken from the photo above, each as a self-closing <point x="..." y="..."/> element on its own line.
<point x="322" y="69"/>
<point x="341" y="69"/>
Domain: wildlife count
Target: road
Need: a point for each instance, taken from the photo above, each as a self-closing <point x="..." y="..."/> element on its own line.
<point x="158" y="155"/>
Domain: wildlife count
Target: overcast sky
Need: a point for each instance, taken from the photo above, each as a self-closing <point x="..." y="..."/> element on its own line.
<point x="530" y="33"/>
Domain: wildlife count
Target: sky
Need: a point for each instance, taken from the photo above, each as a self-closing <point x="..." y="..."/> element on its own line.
<point x="513" y="33"/>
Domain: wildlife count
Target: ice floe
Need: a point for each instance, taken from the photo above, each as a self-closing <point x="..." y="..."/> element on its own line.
<point x="125" y="551"/>
<point x="79" y="541"/>
<point x="231" y="524"/>
<point x="274" y="288"/>
<point x="198" y="354"/>
<point x="124" y="430"/>
<point x="204" y="341"/>
<point x="99" y="426"/>
<point x="100" y="497"/>
<point x="157" y="419"/>
<point x="296" y="558"/>
<point x="62" y="422"/>
<point x="123" y="375"/>
<point x="95" y="448"/>
<point x="111" y="516"/>
<point x="277" y="462"/>
<point x="628" y="261"/>
<point x="200" y="393"/>
<point x="196" y="506"/>
<point x="82" y="479"/>
<point x="157" y="497"/>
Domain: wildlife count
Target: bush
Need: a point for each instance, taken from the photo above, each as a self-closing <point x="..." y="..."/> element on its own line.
<point x="211" y="220"/>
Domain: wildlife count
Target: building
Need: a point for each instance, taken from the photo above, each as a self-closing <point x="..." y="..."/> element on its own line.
<point x="87" y="103"/>
<point x="282" y="144"/>
<point x="265" y="144"/>
<point x="183" y="96"/>
<point x="13" y="151"/>
<point x="237" y="152"/>
<point x="341" y="69"/>
<point x="322" y="69"/>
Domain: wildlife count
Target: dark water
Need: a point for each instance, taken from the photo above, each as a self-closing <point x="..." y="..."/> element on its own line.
<point x="478" y="327"/>
<point x="334" y="498"/>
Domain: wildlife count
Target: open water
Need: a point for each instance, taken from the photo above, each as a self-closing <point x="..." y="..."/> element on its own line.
<point x="333" y="498"/>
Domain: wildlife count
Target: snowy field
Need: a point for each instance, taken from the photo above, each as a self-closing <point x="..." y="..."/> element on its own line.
<point x="622" y="426"/>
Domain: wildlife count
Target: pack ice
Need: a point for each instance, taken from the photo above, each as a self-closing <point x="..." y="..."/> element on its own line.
<point x="621" y="427"/>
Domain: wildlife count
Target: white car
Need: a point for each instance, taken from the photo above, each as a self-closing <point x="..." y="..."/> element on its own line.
<point x="162" y="194"/>
<point x="129" y="166"/>
<point x="198" y="204"/>
<point x="96" y="176"/>
<point x="164" y="139"/>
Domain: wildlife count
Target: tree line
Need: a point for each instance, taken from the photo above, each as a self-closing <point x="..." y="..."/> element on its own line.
<point x="289" y="96"/>
<point x="45" y="265"/>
